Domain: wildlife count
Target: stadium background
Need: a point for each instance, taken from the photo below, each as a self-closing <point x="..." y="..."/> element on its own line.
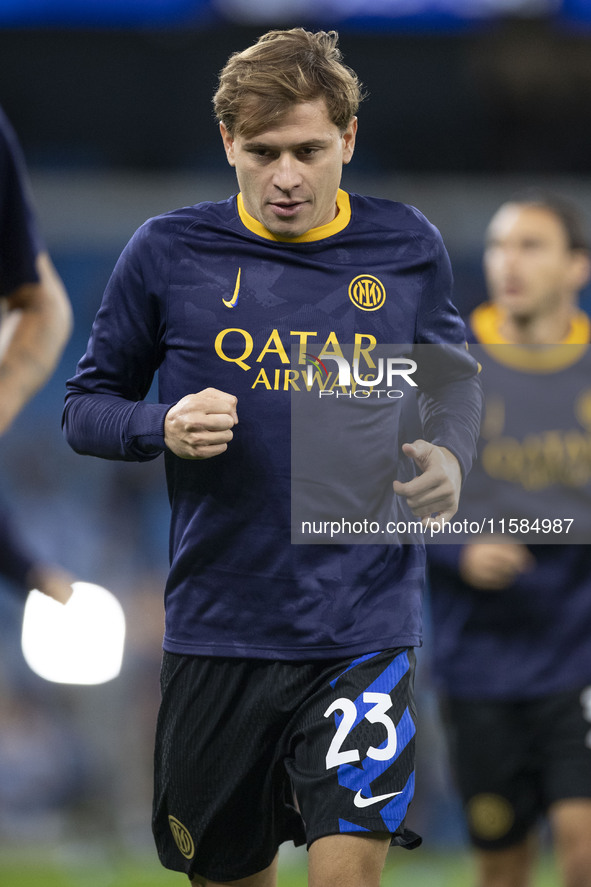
<point x="469" y="100"/>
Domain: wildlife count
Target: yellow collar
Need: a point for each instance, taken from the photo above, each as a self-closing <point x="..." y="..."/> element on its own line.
<point x="486" y="321"/>
<point x="339" y="223"/>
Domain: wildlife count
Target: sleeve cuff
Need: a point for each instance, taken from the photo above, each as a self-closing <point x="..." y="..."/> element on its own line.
<point x="145" y="429"/>
<point x="464" y="455"/>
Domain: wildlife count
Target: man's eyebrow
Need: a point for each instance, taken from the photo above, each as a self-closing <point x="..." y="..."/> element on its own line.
<point x="254" y="144"/>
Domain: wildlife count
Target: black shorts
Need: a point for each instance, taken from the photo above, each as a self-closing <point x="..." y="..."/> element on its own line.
<point x="512" y="760"/>
<point x="252" y="753"/>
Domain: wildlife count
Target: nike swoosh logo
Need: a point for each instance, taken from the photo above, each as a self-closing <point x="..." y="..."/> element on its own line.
<point x="360" y="801"/>
<point x="231" y="303"/>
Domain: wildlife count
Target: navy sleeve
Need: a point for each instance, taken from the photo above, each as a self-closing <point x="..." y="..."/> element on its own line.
<point x="105" y="414"/>
<point x="451" y="414"/>
<point x="20" y="240"/>
<point x="451" y="400"/>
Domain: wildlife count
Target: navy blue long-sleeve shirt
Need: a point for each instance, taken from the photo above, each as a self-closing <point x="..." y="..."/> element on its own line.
<point x="206" y="297"/>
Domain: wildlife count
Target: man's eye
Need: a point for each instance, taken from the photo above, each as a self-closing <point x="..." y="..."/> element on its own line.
<point x="263" y="153"/>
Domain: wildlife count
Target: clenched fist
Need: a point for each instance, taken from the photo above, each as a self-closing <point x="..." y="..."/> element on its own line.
<point x="200" y="425"/>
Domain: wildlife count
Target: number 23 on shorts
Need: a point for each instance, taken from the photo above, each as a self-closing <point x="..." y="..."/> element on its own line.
<point x="377" y="714"/>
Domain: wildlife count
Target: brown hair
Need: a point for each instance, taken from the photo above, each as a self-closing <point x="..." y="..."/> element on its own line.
<point x="566" y="211"/>
<point x="258" y="86"/>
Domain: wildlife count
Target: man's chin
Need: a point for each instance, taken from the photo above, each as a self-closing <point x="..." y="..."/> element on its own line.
<point x="515" y="302"/>
<point x="286" y="231"/>
<point x="290" y="226"/>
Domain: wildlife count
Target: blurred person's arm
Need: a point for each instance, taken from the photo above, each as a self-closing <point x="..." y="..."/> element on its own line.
<point x="23" y="571"/>
<point x="36" y="318"/>
<point x="37" y="322"/>
<point x="52" y="580"/>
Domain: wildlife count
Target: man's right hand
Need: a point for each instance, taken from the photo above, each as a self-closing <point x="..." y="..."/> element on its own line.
<point x="200" y="425"/>
<point x="493" y="566"/>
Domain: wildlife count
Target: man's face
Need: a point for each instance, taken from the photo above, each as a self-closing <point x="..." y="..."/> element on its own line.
<point x="289" y="174"/>
<point x="529" y="267"/>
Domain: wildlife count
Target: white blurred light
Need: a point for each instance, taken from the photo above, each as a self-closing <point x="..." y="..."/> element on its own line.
<point x="80" y="642"/>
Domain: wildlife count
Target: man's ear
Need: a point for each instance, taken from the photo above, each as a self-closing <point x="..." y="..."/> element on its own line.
<point x="228" y="141"/>
<point x="349" y="137"/>
<point x="580" y="269"/>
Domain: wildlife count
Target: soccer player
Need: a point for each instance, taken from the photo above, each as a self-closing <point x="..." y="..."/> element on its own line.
<point x="287" y="709"/>
<point x="512" y="621"/>
<point x="35" y="324"/>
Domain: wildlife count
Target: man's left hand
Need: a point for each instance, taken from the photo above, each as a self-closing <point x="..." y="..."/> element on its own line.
<point x="435" y="492"/>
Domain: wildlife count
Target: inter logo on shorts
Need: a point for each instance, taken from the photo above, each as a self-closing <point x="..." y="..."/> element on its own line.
<point x="182" y="838"/>
<point x="490" y="816"/>
<point x="367" y="292"/>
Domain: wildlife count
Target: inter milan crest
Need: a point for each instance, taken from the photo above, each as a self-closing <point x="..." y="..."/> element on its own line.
<point x="367" y="292"/>
<point x="182" y="838"/>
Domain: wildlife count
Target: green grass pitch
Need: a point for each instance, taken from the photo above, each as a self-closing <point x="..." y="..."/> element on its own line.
<point x="419" y="868"/>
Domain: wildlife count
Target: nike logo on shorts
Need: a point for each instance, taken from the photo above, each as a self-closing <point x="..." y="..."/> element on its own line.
<point x="360" y="801"/>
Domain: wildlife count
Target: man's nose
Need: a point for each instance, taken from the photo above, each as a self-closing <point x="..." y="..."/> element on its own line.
<point x="511" y="255"/>
<point x="286" y="175"/>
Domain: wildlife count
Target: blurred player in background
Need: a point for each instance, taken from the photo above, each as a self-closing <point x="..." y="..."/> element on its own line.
<point x="287" y="709"/>
<point x="35" y="324"/>
<point x="512" y="622"/>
